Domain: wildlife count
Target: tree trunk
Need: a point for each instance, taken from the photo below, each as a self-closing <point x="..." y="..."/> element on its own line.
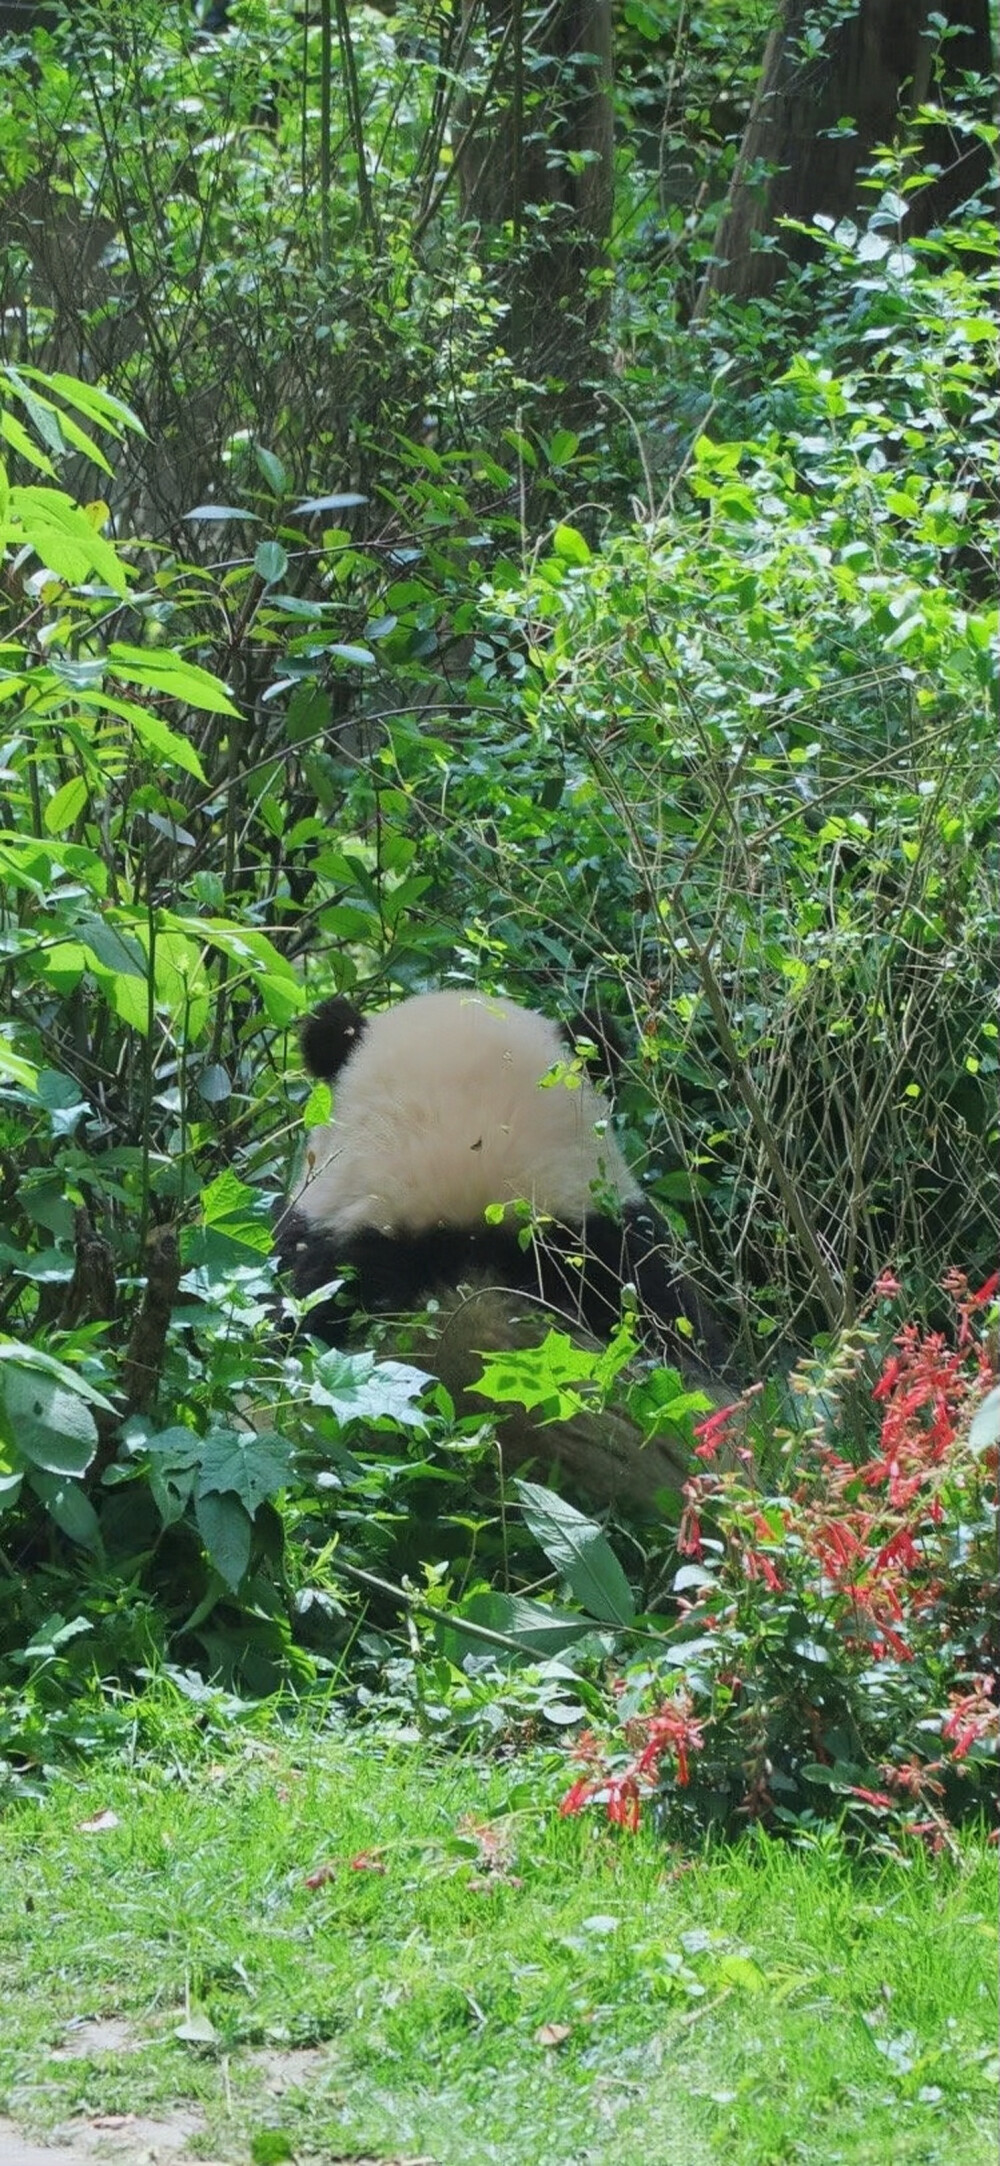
<point x="794" y="161"/>
<point x="537" y="175"/>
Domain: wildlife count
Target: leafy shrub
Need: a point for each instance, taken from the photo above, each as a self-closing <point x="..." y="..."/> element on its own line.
<point x="837" y="1646"/>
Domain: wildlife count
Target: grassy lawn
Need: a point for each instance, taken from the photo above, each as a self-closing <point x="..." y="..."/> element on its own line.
<point x="470" y="1979"/>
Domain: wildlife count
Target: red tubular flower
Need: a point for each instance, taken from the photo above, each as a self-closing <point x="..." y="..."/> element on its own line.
<point x="576" y="1798"/>
<point x="623" y="1801"/>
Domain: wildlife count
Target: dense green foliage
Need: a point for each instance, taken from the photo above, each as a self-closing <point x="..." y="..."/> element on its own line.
<point x="347" y="643"/>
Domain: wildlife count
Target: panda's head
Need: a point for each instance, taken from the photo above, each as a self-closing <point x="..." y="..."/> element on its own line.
<point x="447" y="1105"/>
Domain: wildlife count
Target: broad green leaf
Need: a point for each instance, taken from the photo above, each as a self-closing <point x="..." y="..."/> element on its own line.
<point x="251" y="1467"/>
<point x="226" y="1532"/>
<point x="55" y="1632"/>
<point x="356" y="1387"/>
<point x="580" y="1552"/>
<point x="544" y="1378"/>
<point x="235" y="1210"/>
<point x="161" y="739"/>
<point x="270" y="561"/>
<point x="71" y="1509"/>
<point x="568" y="543"/>
<point x="564" y="446"/>
<point x="361" y="657"/>
<point x="67" y="805"/>
<point x="174" y="1457"/>
<point x="535" y="1627"/>
<point x="42" y="1364"/>
<point x="225" y="1197"/>
<point x="49" y="1425"/>
<point x="115" y="951"/>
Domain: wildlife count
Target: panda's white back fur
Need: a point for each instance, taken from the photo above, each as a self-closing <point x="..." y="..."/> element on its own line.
<point x="440" y="1112"/>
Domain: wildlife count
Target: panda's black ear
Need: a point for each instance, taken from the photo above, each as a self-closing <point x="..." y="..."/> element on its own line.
<point x="329" y="1036"/>
<point x="600" y="1044"/>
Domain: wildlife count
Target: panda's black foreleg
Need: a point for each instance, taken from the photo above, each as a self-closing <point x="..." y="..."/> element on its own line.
<point x="638" y="1252"/>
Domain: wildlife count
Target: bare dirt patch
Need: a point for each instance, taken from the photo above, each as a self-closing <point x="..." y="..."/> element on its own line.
<point x="117" y="2139"/>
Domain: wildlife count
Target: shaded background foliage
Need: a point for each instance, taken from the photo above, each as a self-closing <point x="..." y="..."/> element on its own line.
<point x="600" y="618"/>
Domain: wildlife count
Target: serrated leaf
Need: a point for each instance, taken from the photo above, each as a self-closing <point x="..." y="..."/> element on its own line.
<point x="580" y="1552"/>
<point x="239" y="1463"/>
<point x="225" y="1197"/>
<point x="357" y="1387"/>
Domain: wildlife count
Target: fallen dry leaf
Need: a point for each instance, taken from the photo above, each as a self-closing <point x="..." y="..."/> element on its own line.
<point x="553" y="2034"/>
<point x="99" y="1824"/>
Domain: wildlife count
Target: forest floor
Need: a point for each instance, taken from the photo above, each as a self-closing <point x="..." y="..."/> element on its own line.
<point x="330" y="1948"/>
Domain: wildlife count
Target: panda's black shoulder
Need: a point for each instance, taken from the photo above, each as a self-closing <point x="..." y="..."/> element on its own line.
<point x="593" y="1032"/>
<point x="329" y="1036"/>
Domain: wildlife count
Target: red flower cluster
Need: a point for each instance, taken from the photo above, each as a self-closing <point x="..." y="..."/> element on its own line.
<point x="671" y="1729"/>
<point x="802" y="1595"/>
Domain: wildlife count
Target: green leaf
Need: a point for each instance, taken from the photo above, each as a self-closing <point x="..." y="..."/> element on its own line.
<point x="580" y="1552"/>
<point x="115" y="951"/>
<point x="42" y="1364"/>
<point x="71" y="1509"/>
<point x="16" y="435"/>
<point x="66" y="805"/>
<point x="160" y="670"/>
<point x="361" y="657"/>
<point x="357" y="1387"/>
<point x="225" y="1529"/>
<point x="270" y="562"/>
<point x="64" y="538"/>
<point x="46" y="1423"/>
<point x="239" y="1463"/>
<point x="537" y="1628"/>
<point x="545" y="1379"/>
<point x="174" y="1458"/>
<point x="568" y="543"/>
<point x="226" y="1197"/>
<point x="16" y="1069"/>
<point x="99" y="405"/>
<point x="564" y="446"/>
<point x="54" y="1633"/>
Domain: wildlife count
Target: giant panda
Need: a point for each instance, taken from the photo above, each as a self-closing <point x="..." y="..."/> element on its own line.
<point x="471" y="1165"/>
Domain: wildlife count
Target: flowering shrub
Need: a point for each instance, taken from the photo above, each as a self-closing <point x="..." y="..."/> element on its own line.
<point x="836" y="1644"/>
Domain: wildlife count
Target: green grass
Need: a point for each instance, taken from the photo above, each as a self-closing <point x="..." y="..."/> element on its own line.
<point x="748" y="2007"/>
